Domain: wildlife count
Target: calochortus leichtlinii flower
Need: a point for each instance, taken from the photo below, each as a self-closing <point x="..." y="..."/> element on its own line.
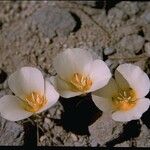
<point x="78" y="73"/>
<point x="33" y="95"/>
<point x="124" y="96"/>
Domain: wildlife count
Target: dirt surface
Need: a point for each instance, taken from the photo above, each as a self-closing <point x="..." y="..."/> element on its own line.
<point x="32" y="33"/>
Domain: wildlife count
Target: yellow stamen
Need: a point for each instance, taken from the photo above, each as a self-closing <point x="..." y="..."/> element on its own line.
<point x="34" y="102"/>
<point x="124" y="100"/>
<point x="80" y="83"/>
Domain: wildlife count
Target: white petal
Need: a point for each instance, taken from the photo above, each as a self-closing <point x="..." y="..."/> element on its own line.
<point x="71" y="61"/>
<point x="11" y="109"/>
<point x="133" y="114"/>
<point x="51" y="96"/>
<point x="63" y="88"/>
<point x="108" y="90"/>
<point x="103" y="104"/>
<point x="100" y="74"/>
<point x="136" y="77"/>
<point x="26" y="80"/>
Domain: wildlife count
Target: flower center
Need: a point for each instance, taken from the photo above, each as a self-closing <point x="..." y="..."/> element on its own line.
<point x="34" y="102"/>
<point x="124" y="100"/>
<point x="80" y="82"/>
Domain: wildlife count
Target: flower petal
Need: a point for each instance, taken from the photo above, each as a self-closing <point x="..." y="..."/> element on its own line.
<point x="11" y="109"/>
<point x="136" y="77"/>
<point x="71" y="61"/>
<point x="100" y="74"/>
<point x="26" y="80"/>
<point x="51" y="95"/>
<point x="63" y="88"/>
<point x="103" y="104"/>
<point x="133" y="114"/>
<point x="108" y="90"/>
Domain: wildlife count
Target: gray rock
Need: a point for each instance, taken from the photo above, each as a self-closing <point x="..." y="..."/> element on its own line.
<point x="51" y="20"/>
<point x="132" y="43"/>
<point x="147" y="32"/>
<point x="48" y="124"/>
<point x="124" y="144"/>
<point x="109" y="51"/>
<point x="93" y="142"/>
<point x="130" y="8"/>
<point x="144" y="138"/>
<point x="146" y="16"/>
<point x="126" y="30"/>
<point x="147" y="48"/>
<point x="105" y="129"/>
<point x="11" y="133"/>
<point x="74" y="137"/>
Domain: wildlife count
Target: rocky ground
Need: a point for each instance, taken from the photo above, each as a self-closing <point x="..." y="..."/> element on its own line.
<point x="32" y="33"/>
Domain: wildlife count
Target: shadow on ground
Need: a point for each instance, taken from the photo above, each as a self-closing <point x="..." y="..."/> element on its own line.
<point x="79" y="113"/>
<point x="130" y="130"/>
<point x="146" y="116"/>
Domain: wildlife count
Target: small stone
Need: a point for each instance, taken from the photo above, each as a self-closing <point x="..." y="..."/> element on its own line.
<point x="146" y="16"/>
<point x="48" y="115"/>
<point x="74" y="137"/>
<point x="132" y="43"/>
<point x="109" y="51"/>
<point x="52" y="111"/>
<point x="130" y="8"/>
<point x="124" y="144"/>
<point x="46" y="120"/>
<point x="147" y="48"/>
<point x="105" y="129"/>
<point x="42" y="138"/>
<point x="108" y="62"/>
<point x="58" y="112"/>
<point x="5" y="84"/>
<point x="47" y="40"/>
<point x="93" y="142"/>
<point x="126" y="30"/>
<point x="12" y="134"/>
<point x="52" y="21"/>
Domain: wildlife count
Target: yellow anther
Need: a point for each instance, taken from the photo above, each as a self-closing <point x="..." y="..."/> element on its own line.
<point x="34" y="102"/>
<point x="124" y="100"/>
<point x="80" y="83"/>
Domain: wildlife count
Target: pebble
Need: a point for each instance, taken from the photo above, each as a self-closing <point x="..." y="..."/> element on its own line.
<point x="74" y="137"/>
<point x="52" y="20"/>
<point x="46" y="120"/>
<point x="124" y="144"/>
<point x="147" y="48"/>
<point x="146" y="16"/>
<point x="42" y="138"/>
<point x="132" y="42"/>
<point x="109" y="51"/>
<point x="47" y="40"/>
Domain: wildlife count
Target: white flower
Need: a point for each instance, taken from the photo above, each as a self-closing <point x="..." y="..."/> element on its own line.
<point x="78" y="73"/>
<point x="124" y="97"/>
<point x="32" y="95"/>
